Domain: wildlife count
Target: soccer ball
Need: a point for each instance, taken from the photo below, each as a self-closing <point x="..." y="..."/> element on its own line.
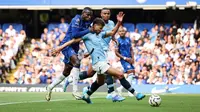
<point x="154" y="100"/>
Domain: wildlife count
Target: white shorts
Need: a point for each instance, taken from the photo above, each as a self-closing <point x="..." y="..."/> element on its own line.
<point x="101" y="67"/>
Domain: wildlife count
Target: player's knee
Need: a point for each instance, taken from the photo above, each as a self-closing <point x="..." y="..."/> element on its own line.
<point x="67" y="70"/>
<point x="76" y="63"/>
<point x="120" y="76"/>
<point x="66" y="73"/>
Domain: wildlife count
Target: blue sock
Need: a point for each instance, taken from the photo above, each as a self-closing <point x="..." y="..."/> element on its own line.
<point x="126" y="85"/>
<point x="93" y="88"/>
<point x="109" y="82"/>
<point x="83" y="75"/>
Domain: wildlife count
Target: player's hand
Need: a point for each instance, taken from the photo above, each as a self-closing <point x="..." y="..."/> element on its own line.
<point x="132" y="61"/>
<point x="86" y="55"/>
<point x="56" y="51"/>
<point x="120" y="16"/>
<point x="129" y="60"/>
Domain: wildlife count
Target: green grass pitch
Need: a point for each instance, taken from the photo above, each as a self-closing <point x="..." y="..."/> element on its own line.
<point x="64" y="102"/>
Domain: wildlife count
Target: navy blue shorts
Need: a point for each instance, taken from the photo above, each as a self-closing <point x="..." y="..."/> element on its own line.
<point x="68" y="52"/>
<point x="127" y="66"/>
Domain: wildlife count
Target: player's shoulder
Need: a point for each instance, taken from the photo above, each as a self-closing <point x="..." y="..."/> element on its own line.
<point x="111" y="22"/>
<point x="77" y="18"/>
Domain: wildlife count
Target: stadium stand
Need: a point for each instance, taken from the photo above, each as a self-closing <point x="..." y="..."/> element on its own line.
<point x="164" y="55"/>
<point x="12" y="48"/>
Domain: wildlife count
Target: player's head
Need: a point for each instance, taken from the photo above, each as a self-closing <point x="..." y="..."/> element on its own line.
<point x="105" y="14"/>
<point x="98" y="25"/>
<point x="87" y="14"/>
<point x="122" y="31"/>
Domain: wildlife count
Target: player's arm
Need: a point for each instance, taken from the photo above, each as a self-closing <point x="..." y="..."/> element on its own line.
<point x="119" y="55"/>
<point x="76" y="33"/>
<point x="132" y="54"/>
<point x="129" y="60"/>
<point x="120" y="17"/>
<point x="60" y="48"/>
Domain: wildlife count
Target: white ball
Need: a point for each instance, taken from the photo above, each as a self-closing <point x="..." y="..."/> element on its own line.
<point x="141" y="1"/>
<point x="155" y="100"/>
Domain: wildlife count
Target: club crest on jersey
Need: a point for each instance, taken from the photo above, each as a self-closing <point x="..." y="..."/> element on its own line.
<point x="77" y="21"/>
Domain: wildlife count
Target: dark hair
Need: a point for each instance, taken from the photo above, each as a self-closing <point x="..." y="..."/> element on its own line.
<point x="87" y="9"/>
<point x="105" y="9"/>
<point x="99" y="21"/>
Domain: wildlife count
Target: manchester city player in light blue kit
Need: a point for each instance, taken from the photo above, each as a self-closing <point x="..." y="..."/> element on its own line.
<point x="94" y="40"/>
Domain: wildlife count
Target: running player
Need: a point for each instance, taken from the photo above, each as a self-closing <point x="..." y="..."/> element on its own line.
<point x="78" y="27"/>
<point x="125" y="53"/>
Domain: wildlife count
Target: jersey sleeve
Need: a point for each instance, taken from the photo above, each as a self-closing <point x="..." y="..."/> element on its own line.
<point x="85" y="37"/>
<point x="112" y="25"/>
<point x="103" y="34"/>
<point x="76" y="33"/>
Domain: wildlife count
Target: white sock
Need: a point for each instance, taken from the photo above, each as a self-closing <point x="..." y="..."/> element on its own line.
<point x="70" y="79"/>
<point x="120" y="88"/>
<point x="113" y="94"/>
<point x="75" y="74"/>
<point x="130" y="78"/>
<point x="56" y="82"/>
<point x="135" y="93"/>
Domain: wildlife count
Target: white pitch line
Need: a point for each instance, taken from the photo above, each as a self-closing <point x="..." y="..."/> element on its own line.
<point x="39" y="101"/>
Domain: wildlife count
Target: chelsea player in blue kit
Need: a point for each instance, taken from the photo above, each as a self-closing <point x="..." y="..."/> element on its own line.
<point x="125" y="52"/>
<point x="78" y="27"/>
<point x="94" y="40"/>
<point x="109" y="25"/>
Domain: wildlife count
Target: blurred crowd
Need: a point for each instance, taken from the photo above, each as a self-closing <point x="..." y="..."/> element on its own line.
<point x="162" y="56"/>
<point x="11" y="49"/>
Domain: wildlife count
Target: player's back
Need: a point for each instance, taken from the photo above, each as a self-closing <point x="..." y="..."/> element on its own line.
<point x="124" y="46"/>
<point x="76" y="25"/>
<point x="94" y="41"/>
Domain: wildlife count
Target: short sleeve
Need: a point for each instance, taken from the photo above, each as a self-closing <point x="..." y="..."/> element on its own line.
<point x="85" y="37"/>
<point x="103" y="34"/>
<point x="76" y="22"/>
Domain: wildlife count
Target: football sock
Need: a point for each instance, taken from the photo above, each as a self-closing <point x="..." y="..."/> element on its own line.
<point x="83" y="75"/>
<point x="127" y="85"/>
<point x="109" y="82"/>
<point x="56" y="82"/>
<point x="75" y="72"/>
<point x="93" y="88"/>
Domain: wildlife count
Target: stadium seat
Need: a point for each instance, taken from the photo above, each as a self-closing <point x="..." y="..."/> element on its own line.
<point x="186" y="25"/>
<point x="130" y="27"/>
<point x="51" y="26"/>
<point x="141" y="26"/>
<point x="16" y="26"/>
<point x="166" y="25"/>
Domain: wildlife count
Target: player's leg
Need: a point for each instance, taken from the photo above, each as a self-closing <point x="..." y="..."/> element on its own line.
<point x="130" y="78"/>
<point x="87" y="74"/>
<point x="91" y="89"/>
<point x="75" y="72"/>
<point x="68" y="80"/>
<point x="66" y="72"/>
<point x="110" y="86"/>
<point x="119" y="75"/>
<point x="128" y="69"/>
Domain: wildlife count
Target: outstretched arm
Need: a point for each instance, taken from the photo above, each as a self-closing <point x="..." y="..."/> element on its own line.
<point x="60" y="48"/>
<point x="120" y="17"/>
